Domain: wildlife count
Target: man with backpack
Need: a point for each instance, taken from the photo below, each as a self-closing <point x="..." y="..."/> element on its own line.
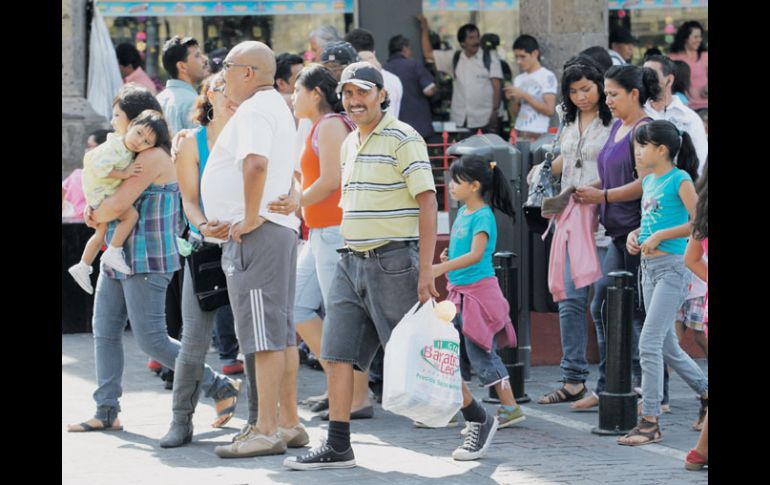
<point x="477" y="87"/>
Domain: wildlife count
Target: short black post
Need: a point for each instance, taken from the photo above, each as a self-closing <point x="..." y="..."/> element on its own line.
<point x="510" y="357"/>
<point x="617" y="403"/>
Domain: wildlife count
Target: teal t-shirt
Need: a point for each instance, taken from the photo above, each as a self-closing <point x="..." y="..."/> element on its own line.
<point x="662" y="208"/>
<point x="465" y="227"/>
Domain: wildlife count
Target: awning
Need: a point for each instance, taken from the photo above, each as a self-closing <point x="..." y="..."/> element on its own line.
<point x="178" y="8"/>
<point x="468" y="5"/>
<point x="650" y="4"/>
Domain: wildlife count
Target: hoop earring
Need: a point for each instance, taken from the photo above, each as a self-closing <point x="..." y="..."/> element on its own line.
<point x="208" y="113"/>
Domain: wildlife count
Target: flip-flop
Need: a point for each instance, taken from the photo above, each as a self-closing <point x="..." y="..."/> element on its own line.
<point x="224" y="415"/>
<point x="88" y="428"/>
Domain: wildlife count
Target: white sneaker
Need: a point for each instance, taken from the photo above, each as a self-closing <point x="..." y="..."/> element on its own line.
<point x="113" y="257"/>
<point x="81" y="273"/>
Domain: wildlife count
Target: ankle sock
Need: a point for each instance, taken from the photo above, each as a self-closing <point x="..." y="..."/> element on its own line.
<point x="474" y="412"/>
<point x="339" y="435"/>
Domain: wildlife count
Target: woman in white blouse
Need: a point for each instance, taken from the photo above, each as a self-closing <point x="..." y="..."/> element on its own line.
<point x="586" y="120"/>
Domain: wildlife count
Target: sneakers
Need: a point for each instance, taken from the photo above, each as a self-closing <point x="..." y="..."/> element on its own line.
<point x="253" y="444"/>
<point x="320" y="458"/>
<point x="114" y="258"/>
<point x="234" y="368"/>
<point x="451" y="424"/>
<point x="509" y="418"/>
<point x="295" y="437"/>
<point x="478" y="437"/>
<point x="81" y="273"/>
<point x="244" y="432"/>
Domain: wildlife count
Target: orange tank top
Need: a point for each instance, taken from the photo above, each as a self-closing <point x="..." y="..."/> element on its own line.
<point x="327" y="212"/>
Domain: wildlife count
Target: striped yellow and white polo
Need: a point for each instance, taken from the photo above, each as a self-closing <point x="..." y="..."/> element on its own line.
<point x="380" y="180"/>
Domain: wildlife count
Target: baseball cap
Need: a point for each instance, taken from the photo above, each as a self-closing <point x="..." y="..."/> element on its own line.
<point x="340" y="52"/>
<point x="362" y="74"/>
<point x="622" y="35"/>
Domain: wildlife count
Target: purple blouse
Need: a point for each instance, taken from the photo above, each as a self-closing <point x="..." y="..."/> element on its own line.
<point x="616" y="168"/>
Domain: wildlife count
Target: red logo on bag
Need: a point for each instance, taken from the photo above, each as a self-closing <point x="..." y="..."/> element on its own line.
<point x="443" y="356"/>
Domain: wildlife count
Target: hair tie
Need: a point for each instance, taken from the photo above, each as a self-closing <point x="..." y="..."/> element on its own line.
<point x="492" y="165"/>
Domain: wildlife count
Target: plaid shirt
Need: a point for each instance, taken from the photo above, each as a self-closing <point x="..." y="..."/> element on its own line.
<point x="151" y="247"/>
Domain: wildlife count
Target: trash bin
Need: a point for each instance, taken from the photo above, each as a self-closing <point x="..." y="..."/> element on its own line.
<point x="510" y="237"/>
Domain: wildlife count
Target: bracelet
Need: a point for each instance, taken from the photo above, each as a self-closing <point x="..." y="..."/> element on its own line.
<point x="606" y="200"/>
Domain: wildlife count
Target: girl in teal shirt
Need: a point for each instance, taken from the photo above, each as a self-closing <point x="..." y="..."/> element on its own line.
<point x="668" y="204"/>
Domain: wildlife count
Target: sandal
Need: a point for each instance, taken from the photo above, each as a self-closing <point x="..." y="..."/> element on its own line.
<point x="652" y="436"/>
<point x="695" y="461"/>
<point x="84" y="427"/>
<point x="225" y="406"/>
<point x="562" y="395"/>
<point x="704" y="407"/>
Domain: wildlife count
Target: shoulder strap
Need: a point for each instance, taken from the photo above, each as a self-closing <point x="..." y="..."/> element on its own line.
<point x="487" y="59"/>
<point x="314" y="135"/>
<point x="455" y="60"/>
<point x="203" y="148"/>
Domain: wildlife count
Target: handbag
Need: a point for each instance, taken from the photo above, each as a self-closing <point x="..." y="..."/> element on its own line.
<point x="208" y="280"/>
<point x="544" y="185"/>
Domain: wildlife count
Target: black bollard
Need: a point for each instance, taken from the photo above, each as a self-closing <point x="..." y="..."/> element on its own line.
<point x="617" y="403"/>
<point x="510" y="357"/>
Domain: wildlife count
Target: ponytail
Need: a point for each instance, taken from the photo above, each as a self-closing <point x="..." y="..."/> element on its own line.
<point x="700" y="225"/>
<point x="651" y="86"/>
<point x="687" y="158"/>
<point x="500" y="194"/>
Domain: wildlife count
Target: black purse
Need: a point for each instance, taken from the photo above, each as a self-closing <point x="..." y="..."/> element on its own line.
<point x="208" y="279"/>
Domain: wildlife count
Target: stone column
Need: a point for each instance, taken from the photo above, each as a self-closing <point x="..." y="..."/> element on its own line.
<point x="564" y="27"/>
<point x="386" y="19"/>
<point x="78" y="119"/>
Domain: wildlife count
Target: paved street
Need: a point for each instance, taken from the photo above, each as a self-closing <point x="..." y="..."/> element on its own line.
<point x="553" y="446"/>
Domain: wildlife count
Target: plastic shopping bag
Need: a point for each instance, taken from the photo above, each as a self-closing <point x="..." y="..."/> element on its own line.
<point x="422" y="368"/>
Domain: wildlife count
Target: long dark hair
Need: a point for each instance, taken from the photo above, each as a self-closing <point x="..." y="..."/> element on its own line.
<point x="683" y="33"/>
<point x="700" y="225"/>
<point x="317" y="76"/>
<point x="643" y="79"/>
<point x="575" y="69"/>
<point x="494" y="188"/>
<point x="680" y="147"/>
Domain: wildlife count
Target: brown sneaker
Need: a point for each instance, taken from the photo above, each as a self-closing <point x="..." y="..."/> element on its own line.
<point x="253" y="444"/>
<point x="295" y="437"/>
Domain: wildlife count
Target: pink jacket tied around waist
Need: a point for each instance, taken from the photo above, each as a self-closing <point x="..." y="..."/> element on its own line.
<point x="485" y="313"/>
<point x="576" y="224"/>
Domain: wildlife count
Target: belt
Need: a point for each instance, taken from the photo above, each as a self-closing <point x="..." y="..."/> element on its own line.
<point x="382" y="249"/>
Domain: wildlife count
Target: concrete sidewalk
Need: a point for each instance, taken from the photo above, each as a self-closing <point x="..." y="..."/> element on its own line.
<point x="554" y="444"/>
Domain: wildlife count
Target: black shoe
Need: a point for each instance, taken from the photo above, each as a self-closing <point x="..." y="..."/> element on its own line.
<point x="319" y="406"/>
<point x="478" y="437"/>
<point x="168" y="379"/>
<point x="363" y="413"/>
<point x="313" y="362"/>
<point x="322" y="457"/>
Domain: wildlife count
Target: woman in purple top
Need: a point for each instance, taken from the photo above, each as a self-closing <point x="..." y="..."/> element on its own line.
<point x="619" y="188"/>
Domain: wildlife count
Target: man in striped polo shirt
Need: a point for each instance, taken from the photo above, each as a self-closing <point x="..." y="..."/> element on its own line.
<point x="389" y="225"/>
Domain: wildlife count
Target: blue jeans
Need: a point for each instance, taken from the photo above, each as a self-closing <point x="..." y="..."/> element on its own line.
<point x="196" y="338"/>
<point x="224" y="335"/>
<point x="616" y="258"/>
<point x="665" y="281"/>
<point x="142" y="299"/>
<point x="572" y="326"/>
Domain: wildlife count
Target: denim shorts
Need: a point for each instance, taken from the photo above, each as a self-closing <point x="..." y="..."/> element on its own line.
<point x="368" y="296"/>
<point x="488" y="365"/>
<point x="316" y="264"/>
